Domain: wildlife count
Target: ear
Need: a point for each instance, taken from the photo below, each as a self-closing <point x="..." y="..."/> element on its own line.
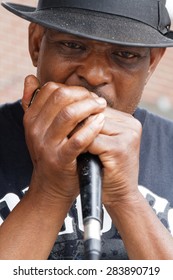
<point x="36" y="33"/>
<point x="155" y="56"/>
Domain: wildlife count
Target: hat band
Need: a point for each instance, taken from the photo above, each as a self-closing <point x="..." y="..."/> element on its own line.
<point x="150" y="12"/>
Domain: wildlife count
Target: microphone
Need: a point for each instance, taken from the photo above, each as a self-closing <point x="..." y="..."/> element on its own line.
<point x="90" y="180"/>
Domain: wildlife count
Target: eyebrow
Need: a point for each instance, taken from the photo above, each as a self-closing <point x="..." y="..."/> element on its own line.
<point x="75" y="37"/>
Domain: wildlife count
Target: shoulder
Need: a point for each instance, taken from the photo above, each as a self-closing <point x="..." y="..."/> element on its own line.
<point x="11" y="114"/>
<point x="154" y="122"/>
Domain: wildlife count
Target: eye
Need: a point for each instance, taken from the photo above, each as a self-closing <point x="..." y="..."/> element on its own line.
<point x="127" y="55"/>
<point x="72" y="45"/>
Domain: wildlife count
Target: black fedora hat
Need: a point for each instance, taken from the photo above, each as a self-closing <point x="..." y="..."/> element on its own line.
<point x="127" y="22"/>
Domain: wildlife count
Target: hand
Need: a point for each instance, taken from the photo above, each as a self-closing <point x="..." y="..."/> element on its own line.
<point x="118" y="145"/>
<point x="52" y="138"/>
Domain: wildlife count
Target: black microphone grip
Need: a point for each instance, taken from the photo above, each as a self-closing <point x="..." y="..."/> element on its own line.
<point x="90" y="180"/>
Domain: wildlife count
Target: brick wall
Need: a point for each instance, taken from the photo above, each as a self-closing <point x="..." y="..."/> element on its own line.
<point x="15" y="64"/>
<point x="158" y="93"/>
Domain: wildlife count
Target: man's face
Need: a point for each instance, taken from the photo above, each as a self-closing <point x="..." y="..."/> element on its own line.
<point x="117" y="73"/>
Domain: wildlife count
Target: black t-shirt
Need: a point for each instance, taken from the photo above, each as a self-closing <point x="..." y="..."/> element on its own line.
<point x="155" y="181"/>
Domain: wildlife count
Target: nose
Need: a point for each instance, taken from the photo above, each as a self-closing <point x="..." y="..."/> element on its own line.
<point x="95" y="70"/>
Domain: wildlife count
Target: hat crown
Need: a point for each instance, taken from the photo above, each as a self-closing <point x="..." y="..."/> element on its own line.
<point x="141" y="23"/>
<point x="151" y="12"/>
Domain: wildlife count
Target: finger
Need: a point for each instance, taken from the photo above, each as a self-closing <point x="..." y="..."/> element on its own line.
<point x="48" y="104"/>
<point x="42" y="105"/>
<point x="79" y="142"/>
<point x="119" y="144"/>
<point x="116" y="122"/>
<point x="52" y="97"/>
<point x="31" y="83"/>
<point x="62" y="105"/>
<point x="40" y="99"/>
<point x="66" y="122"/>
<point x="119" y="115"/>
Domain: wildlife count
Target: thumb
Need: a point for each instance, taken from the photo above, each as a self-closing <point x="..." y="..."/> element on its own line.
<point x="31" y="83"/>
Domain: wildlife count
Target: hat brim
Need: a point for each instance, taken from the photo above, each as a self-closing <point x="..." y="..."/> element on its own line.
<point x="94" y="25"/>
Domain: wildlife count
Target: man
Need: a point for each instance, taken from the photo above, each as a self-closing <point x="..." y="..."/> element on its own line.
<point x="93" y="60"/>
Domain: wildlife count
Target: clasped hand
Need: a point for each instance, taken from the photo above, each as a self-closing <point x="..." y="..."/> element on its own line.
<point x="65" y="121"/>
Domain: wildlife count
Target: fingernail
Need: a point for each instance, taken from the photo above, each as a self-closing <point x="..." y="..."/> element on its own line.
<point x="101" y="101"/>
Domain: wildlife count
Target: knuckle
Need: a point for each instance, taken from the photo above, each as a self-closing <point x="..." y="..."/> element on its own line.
<point x="83" y="91"/>
<point x="135" y="136"/>
<point x="77" y="142"/>
<point x="26" y="119"/>
<point x="122" y="148"/>
<point x="50" y="86"/>
<point x="67" y="114"/>
<point x="33" y="133"/>
<point x="29" y="125"/>
<point x="60" y="94"/>
<point x="132" y="141"/>
<point x="137" y="126"/>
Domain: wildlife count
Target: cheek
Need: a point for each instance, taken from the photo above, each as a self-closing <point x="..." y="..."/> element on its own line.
<point x="53" y="68"/>
<point x="129" y="90"/>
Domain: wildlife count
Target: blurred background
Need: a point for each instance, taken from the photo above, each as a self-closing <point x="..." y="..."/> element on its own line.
<point x="15" y="64"/>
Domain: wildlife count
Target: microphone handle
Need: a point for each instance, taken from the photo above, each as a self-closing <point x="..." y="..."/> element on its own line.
<point x="90" y="181"/>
